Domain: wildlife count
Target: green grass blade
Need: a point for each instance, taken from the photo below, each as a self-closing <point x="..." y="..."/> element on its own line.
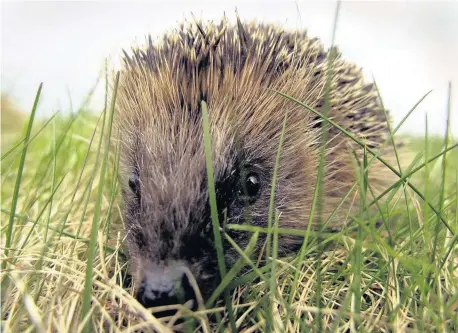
<point x="322" y="166"/>
<point x="444" y="177"/>
<point x="9" y="233"/>
<point x="214" y="208"/>
<point x="53" y="185"/>
<point x="211" y="189"/>
<point x="388" y="123"/>
<point x="86" y="306"/>
<point x="269" y="226"/>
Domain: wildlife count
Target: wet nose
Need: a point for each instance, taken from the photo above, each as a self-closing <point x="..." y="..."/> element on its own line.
<point x="177" y="293"/>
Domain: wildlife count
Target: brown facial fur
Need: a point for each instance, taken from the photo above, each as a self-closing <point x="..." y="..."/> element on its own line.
<point x="232" y="69"/>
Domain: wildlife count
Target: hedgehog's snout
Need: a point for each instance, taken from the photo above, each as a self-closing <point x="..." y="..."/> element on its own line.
<point x="165" y="286"/>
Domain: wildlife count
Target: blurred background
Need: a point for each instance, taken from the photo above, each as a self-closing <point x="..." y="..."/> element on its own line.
<point x="409" y="47"/>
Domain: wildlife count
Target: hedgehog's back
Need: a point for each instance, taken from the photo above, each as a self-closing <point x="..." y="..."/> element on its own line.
<point x="197" y="58"/>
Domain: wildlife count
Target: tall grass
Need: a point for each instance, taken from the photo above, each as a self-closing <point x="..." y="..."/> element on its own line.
<point x="63" y="262"/>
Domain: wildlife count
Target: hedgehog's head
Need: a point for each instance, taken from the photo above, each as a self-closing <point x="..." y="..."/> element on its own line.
<point x="168" y="218"/>
<point x="164" y="176"/>
<point x="165" y="186"/>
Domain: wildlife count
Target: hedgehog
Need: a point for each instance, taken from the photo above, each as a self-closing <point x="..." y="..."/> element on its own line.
<point x="237" y="69"/>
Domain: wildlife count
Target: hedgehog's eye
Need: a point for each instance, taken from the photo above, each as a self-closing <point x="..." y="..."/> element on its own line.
<point x="134" y="185"/>
<point x="251" y="187"/>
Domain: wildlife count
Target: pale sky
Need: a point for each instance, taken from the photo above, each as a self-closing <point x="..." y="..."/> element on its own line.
<point x="410" y="47"/>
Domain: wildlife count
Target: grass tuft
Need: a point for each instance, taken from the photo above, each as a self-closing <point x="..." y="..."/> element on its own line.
<point x="64" y="265"/>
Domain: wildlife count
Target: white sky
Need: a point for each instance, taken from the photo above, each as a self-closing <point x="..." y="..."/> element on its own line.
<point x="410" y="47"/>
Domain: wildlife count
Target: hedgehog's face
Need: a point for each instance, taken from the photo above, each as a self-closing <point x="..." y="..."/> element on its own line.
<point x="168" y="220"/>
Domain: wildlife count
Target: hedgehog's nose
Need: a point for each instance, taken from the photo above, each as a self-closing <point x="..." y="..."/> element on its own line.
<point x="152" y="295"/>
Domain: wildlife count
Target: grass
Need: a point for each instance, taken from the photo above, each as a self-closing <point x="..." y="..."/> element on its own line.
<point x="63" y="261"/>
<point x="67" y="214"/>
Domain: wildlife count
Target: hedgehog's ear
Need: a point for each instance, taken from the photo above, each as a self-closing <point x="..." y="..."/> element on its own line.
<point x="134" y="182"/>
<point x="134" y="185"/>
